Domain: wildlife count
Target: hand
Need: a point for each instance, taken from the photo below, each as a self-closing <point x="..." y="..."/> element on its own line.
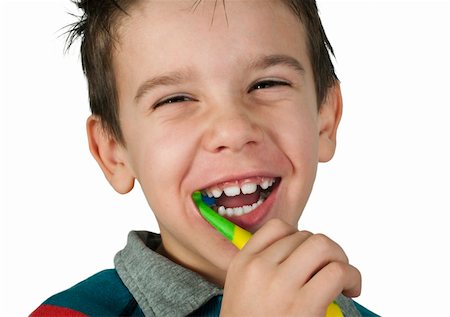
<point x="285" y="272"/>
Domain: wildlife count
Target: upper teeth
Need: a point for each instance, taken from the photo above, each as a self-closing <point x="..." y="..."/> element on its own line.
<point x="248" y="188"/>
<point x="236" y="189"/>
<point x="216" y="192"/>
<point x="232" y="191"/>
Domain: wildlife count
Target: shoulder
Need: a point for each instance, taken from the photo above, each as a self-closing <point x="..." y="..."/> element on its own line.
<point x="102" y="294"/>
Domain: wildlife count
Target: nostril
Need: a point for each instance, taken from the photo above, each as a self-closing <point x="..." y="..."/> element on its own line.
<point x="232" y="131"/>
<point x="235" y="146"/>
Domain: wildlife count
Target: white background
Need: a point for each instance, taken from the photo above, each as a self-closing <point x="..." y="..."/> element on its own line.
<point x="384" y="197"/>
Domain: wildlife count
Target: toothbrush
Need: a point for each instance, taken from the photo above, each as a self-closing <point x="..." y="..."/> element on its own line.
<point x="232" y="232"/>
<point x="238" y="236"/>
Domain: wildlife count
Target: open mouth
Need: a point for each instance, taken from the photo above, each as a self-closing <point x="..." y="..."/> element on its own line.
<point x="234" y="199"/>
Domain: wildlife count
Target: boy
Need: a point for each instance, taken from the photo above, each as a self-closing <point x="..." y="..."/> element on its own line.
<point x="237" y="99"/>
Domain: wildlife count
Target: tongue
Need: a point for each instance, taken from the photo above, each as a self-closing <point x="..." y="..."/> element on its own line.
<point x="239" y="200"/>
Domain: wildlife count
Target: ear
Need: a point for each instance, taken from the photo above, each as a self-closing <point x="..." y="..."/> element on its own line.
<point x="110" y="155"/>
<point x="329" y="117"/>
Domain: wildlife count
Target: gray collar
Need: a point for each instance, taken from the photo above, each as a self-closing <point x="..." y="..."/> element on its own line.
<point x="160" y="287"/>
<point x="163" y="288"/>
<point x="347" y="306"/>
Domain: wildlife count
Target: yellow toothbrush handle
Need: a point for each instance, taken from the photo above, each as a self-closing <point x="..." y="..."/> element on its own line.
<point x="334" y="310"/>
<point x="240" y="237"/>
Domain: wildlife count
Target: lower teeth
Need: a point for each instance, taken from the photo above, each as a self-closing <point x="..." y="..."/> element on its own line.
<point x="239" y="211"/>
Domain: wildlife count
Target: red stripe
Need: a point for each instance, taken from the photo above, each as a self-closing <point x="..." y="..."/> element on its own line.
<point x="55" y="311"/>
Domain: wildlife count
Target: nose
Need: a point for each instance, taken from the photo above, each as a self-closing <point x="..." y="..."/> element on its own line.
<point x="232" y="129"/>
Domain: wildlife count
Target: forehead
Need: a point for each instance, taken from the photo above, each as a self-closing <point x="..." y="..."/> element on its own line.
<point x="160" y="36"/>
<point x="213" y="11"/>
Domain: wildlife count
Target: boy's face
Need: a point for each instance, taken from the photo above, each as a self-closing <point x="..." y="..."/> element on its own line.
<point x="207" y="103"/>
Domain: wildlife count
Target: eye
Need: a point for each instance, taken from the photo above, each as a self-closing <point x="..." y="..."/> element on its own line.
<point x="172" y="99"/>
<point x="268" y="83"/>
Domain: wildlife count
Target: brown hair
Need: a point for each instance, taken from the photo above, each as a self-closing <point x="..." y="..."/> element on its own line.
<point x="97" y="27"/>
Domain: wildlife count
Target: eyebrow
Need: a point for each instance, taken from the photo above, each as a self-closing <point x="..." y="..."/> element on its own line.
<point x="171" y="78"/>
<point x="178" y="77"/>
<point x="268" y="61"/>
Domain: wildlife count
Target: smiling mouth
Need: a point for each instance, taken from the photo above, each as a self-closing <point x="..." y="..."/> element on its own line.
<point x="234" y="199"/>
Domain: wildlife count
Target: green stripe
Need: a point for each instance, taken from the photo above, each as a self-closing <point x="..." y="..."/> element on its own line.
<point x="224" y="226"/>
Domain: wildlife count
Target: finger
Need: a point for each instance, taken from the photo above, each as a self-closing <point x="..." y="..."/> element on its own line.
<point x="272" y="231"/>
<point x="282" y="249"/>
<point x="334" y="279"/>
<point x="310" y="257"/>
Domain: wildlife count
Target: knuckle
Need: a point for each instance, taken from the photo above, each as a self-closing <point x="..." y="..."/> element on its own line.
<point x="302" y="236"/>
<point x="256" y="267"/>
<point x="276" y="222"/>
<point x="327" y="246"/>
<point x="278" y="225"/>
<point x="357" y="273"/>
<point x="305" y="233"/>
<point x="338" y="270"/>
<point x="322" y="242"/>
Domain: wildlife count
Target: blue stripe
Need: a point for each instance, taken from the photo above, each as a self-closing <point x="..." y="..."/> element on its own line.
<point x="103" y="294"/>
<point x="210" y="309"/>
<point x="364" y="311"/>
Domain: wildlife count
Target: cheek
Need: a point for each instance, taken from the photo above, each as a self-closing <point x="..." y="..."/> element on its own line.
<point x="296" y="132"/>
<point x="157" y="150"/>
<point x="298" y="139"/>
<point x="162" y="163"/>
<point x="162" y="157"/>
<point x="303" y="149"/>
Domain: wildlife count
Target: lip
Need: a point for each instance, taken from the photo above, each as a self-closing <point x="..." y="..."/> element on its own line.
<point x="253" y="220"/>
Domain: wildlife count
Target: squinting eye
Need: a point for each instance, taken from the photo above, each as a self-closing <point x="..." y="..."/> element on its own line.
<point x="172" y="99"/>
<point x="264" y="84"/>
